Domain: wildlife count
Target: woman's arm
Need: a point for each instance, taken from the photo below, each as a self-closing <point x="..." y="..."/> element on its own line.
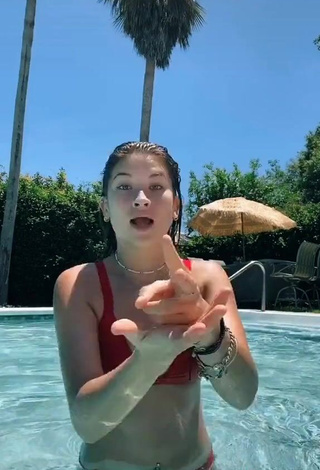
<point x="239" y="386"/>
<point x="98" y="402"/>
<point x="104" y="402"/>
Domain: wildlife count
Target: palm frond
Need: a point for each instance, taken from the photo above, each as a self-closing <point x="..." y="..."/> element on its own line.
<point x="157" y="26"/>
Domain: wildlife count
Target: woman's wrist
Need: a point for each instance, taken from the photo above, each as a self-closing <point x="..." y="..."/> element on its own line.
<point x="215" y="366"/>
<point x="152" y="364"/>
<point x="219" y="353"/>
<point x="213" y="340"/>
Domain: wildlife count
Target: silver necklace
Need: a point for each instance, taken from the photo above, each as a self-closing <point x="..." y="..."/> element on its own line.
<point x="132" y="270"/>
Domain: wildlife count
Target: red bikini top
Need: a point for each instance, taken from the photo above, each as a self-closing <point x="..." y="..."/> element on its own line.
<point x="114" y="350"/>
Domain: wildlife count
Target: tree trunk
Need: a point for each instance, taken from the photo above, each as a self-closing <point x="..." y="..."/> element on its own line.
<point x="16" y="150"/>
<point x="147" y="100"/>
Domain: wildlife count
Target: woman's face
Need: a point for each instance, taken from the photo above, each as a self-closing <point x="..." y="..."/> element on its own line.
<point x="140" y="201"/>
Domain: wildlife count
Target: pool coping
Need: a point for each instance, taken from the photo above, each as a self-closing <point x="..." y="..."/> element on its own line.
<point x="247" y="315"/>
<point x="272" y="317"/>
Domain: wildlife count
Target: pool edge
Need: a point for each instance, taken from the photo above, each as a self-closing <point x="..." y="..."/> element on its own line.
<point x="248" y="316"/>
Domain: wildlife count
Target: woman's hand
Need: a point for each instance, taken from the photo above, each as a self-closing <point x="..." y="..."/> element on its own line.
<point x="181" y="317"/>
<point x="178" y="301"/>
<point x="161" y="343"/>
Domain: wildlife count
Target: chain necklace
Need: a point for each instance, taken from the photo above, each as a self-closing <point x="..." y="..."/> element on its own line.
<point x="132" y="270"/>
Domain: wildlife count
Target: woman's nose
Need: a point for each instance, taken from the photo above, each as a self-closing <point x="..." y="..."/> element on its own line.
<point x="141" y="200"/>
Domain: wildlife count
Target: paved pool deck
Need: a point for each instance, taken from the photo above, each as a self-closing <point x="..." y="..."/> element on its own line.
<point x="268" y="317"/>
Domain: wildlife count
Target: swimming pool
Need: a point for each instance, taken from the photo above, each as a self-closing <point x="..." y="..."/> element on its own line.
<point x="281" y="431"/>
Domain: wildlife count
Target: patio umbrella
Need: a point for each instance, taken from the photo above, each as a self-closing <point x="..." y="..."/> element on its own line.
<point x="230" y="216"/>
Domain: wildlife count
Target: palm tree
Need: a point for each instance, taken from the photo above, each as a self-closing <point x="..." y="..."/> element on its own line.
<point x="156" y="27"/>
<point x="10" y="209"/>
<point x="316" y="42"/>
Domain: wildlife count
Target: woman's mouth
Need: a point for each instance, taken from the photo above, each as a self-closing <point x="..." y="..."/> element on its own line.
<point x="142" y="223"/>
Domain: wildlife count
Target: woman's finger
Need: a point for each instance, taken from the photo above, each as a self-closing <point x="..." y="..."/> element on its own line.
<point x="184" y="283"/>
<point x="213" y="317"/>
<point x="179" y="274"/>
<point x="123" y="327"/>
<point x="172" y="319"/>
<point x="155" y="291"/>
<point x="171" y="257"/>
<point x="220" y="299"/>
<point x="129" y="329"/>
<point x="195" y="333"/>
<point x="171" y="306"/>
<point x="222" y="296"/>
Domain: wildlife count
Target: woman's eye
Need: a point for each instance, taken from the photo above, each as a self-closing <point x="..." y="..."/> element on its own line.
<point x="156" y="187"/>
<point x="124" y="187"/>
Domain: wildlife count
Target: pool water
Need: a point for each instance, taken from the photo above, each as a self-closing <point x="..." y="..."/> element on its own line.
<point x="281" y="431"/>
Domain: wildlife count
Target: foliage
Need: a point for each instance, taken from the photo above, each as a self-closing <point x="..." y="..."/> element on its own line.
<point x="294" y="191"/>
<point x="305" y="169"/>
<point x="56" y="227"/>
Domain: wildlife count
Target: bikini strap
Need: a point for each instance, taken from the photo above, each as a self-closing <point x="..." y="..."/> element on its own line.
<point x="187" y="263"/>
<point x="105" y="287"/>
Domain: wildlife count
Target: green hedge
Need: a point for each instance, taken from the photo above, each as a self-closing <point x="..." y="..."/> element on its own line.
<point x="57" y="224"/>
<point x="56" y="227"/>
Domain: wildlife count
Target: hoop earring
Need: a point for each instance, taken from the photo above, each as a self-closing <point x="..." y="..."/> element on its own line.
<point x="106" y="219"/>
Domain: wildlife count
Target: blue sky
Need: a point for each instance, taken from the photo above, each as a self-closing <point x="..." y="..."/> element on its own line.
<point x="248" y="87"/>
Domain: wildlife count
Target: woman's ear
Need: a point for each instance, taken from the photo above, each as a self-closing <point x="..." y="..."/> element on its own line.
<point x="103" y="206"/>
<point x="176" y="208"/>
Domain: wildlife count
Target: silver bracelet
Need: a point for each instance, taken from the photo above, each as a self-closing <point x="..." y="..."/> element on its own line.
<point x="218" y="370"/>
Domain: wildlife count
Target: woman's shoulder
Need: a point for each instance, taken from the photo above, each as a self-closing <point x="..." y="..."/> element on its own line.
<point x="78" y="273"/>
<point x="205" y="267"/>
<point x="80" y="281"/>
<point x="77" y="289"/>
<point x="209" y="274"/>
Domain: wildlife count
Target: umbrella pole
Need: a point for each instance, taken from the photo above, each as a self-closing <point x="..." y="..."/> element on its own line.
<point x="243" y="241"/>
<point x="243" y="248"/>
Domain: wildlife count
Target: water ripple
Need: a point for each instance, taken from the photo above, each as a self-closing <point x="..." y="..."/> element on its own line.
<point x="281" y="431"/>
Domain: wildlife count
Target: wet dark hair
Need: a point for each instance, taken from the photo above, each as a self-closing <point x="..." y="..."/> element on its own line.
<point x="146" y="148"/>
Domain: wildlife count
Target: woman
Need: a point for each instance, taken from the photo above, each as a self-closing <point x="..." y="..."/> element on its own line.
<point x="136" y="330"/>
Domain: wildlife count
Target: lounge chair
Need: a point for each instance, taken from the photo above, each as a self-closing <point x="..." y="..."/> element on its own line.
<point x="315" y="285"/>
<point x="305" y="270"/>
